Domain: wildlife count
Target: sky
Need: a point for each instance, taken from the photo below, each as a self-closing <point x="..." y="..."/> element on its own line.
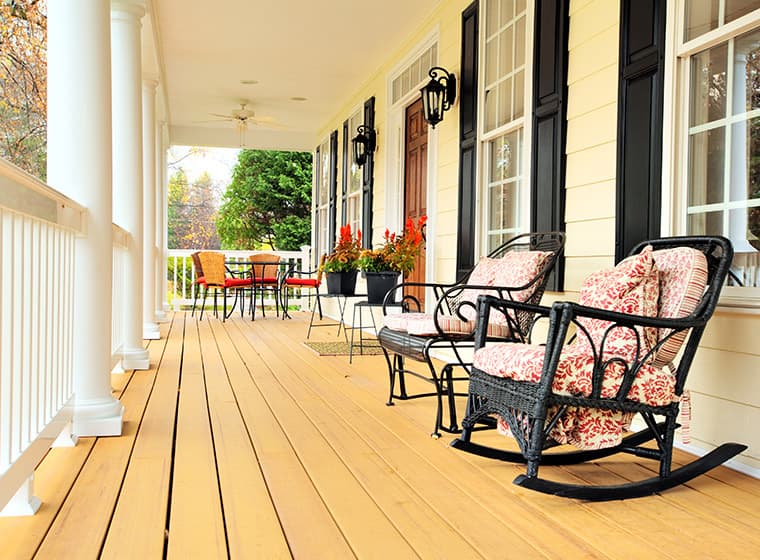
<point x="217" y="161"/>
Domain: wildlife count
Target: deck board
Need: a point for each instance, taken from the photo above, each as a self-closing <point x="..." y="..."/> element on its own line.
<point x="142" y="503"/>
<point x="280" y="453"/>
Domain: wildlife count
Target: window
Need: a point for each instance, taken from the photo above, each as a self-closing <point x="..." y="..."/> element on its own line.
<point x="322" y="199"/>
<point x="354" y="177"/>
<point x="721" y="136"/>
<point x="505" y="198"/>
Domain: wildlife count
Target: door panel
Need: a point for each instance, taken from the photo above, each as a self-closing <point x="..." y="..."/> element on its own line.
<point x="415" y="184"/>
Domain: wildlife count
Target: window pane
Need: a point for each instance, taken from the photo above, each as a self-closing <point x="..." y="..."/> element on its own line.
<point x="737" y="8"/>
<point x="492" y="17"/>
<point x="700" y="18"/>
<point x="492" y="71"/>
<point x="505" y="102"/>
<point x="706" y="158"/>
<point x="747" y="73"/>
<point x="519" y="108"/>
<point x="745" y="160"/>
<point x="520" y="42"/>
<point x="507" y="11"/>
<point x="490" y="110"/>
<point x="706" y="223"/>
<point x="708" y="85"/>
<point x="743" y="233"/>
<point x="507" y="47"/>
<point x="503" y="184"/>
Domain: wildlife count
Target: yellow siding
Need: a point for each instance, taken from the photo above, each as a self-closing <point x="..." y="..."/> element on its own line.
<point x="724" y="380"/>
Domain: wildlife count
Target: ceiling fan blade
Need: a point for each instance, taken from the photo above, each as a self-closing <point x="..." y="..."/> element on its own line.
<point x="226" y="117"/>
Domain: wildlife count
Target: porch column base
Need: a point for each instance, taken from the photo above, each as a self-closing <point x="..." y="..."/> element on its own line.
<point x="135" y="358"/>
<point x="98" y="417"/>
<point x="23" y="502"/>
<point x="151" y="332"/>
<point x="66" y="438"/>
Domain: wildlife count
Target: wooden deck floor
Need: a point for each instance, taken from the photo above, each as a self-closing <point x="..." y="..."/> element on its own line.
<point x="242" y="443"/>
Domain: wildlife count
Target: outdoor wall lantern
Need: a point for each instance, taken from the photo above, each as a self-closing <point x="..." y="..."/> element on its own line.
<point x="364" y="144"/>
<point x="438" y="95"/>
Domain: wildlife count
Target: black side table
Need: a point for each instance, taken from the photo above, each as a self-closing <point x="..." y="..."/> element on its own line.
<point x="342" y="302"/>
<point x="360" y="306"/>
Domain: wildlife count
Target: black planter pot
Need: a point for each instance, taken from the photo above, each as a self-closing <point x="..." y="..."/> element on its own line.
<point x="379" y="284"/>
<point x="343" y="283"/>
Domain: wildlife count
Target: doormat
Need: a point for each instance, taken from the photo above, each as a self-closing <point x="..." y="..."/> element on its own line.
<point x="340" y="348"/>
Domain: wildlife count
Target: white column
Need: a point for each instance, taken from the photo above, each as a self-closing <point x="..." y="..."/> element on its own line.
<point x="126" y="79"/>
<point x="160" y="220"/>
<point x="79" y="165"/>
<point x="150" y="326"/>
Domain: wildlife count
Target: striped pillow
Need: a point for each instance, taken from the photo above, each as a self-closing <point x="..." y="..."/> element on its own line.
<point x="683" y="277"/>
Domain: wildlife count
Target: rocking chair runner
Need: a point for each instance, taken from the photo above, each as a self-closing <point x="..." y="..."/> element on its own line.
<point x="624" y="360"/>
<point x="518" y="269"/>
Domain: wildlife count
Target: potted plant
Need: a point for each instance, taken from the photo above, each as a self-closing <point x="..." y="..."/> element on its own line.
<point x="396" y="256"/>
<point x="341" y="265"/>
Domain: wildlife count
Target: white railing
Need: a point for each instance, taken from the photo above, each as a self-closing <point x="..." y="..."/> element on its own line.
<point x="120" y="248"/>
<point x="38" y="227"/>
<point x="182" y="286"/>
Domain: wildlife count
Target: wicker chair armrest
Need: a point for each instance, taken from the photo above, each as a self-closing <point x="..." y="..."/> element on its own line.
<point x="487" y="304"/>
<point x="577" y="310"/>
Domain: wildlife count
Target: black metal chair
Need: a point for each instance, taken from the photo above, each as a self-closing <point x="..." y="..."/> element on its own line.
<point x="527" y="260"/>
<point x="586" y="391"/>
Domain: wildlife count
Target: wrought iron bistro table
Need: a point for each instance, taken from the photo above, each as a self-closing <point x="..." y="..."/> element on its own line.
<point x="247" y="267"/>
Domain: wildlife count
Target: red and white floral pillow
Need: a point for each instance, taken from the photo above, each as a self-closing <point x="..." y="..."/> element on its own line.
<point x="514" y="269"/>
<point x="632" y="287"/>
<point x="683" y="278"/>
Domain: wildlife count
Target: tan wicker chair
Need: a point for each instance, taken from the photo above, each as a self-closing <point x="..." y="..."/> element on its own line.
<point x="216" y="278"/>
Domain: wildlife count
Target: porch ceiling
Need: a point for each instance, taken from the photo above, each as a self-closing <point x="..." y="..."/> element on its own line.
<point x="322" y="51"/>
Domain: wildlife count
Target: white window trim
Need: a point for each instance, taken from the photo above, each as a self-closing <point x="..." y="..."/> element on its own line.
<point x="349" y="153"/>
<point x="525" y="122"/>
<point x="676" y="118"/>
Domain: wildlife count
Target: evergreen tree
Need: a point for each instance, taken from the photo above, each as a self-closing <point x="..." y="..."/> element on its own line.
<point x="268" y="201"/>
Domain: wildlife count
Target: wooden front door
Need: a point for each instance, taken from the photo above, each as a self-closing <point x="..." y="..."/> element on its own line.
<point x="415" y="184"/>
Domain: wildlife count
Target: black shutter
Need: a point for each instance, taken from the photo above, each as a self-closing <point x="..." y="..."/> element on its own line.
<point x="639" y="138"/>
<point x="332" y="211"/>
<point x="346" y="155"/>
<point x="368" y="179"/>
<point x="549" y="122"/>
<point x="468" y="140"/>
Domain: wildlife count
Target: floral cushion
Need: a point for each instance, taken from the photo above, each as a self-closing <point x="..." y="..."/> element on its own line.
<point x="514" y="269"/>
<point x="423" y="324"/>
<point x="396" y="321"/>
<point x="683" y="277"/>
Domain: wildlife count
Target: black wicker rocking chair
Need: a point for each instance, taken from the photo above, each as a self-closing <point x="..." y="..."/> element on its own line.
<point x="454" y="309"/>
<point x="534" y="410"/>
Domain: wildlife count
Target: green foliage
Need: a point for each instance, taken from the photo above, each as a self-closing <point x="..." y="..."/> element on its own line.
<point x="23" y="84"/>
<point x="268" y="201"/>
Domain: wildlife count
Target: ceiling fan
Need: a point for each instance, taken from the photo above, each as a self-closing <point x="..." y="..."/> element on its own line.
<point x="243" y="117"/>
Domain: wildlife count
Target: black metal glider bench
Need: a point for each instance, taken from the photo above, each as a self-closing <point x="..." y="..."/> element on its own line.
<point x="517" y="271"/>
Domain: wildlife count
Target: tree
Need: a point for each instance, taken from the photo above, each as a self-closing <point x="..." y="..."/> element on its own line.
<point x="192" y="213"/>
<point x="23" y="84"/>
<point x="268" y="201"/>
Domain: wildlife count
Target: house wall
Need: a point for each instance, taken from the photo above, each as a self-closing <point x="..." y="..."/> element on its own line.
<point x="724" y="384"/>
